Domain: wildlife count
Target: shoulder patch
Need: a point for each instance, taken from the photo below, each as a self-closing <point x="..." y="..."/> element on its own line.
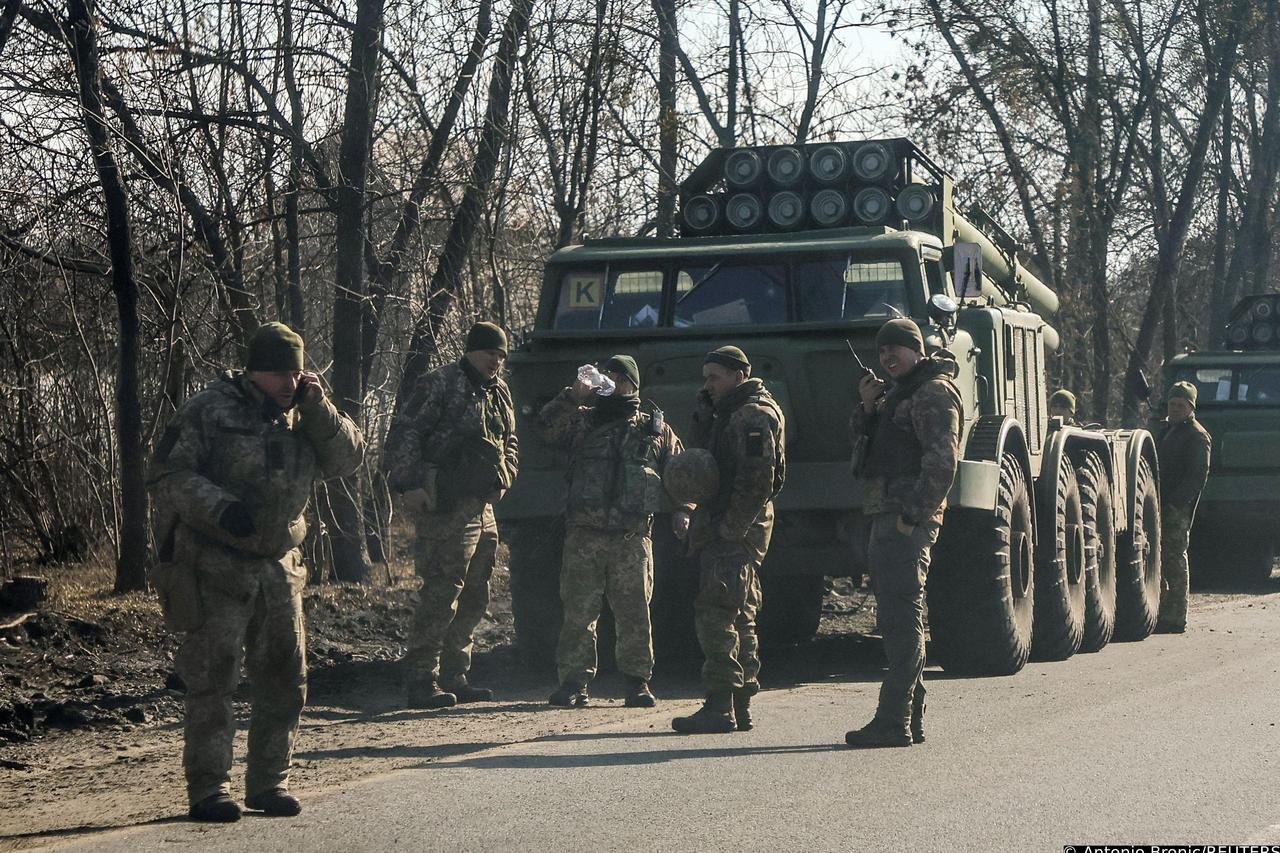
<point x="755" y="441"/>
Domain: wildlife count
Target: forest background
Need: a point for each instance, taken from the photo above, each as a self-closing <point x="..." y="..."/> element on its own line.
<point x="379" y="174"/>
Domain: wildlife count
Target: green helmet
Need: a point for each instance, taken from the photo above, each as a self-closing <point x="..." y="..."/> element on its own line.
<point x="692" y="476"/>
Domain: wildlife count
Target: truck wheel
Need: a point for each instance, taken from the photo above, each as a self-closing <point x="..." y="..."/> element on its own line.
<point x="1138" y="562"/>
<point x="792" y="608"/>
<point x="1100" y="552"/>
<point x="537" y="548"/>
<point x="981" y="592"/>
<point x="1060" y="570"/>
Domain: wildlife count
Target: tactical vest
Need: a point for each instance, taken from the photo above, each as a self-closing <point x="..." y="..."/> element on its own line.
<point x="895" y="450"/>
<point x="616" y="467"/>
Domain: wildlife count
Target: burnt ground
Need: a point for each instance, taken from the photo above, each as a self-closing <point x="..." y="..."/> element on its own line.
<point x="87" y="696"/>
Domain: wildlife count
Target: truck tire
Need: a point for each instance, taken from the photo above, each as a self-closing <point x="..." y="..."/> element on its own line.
<point x="537" y="548"/>
<point x="792" y="608"/>
<point x="1100" y="550"/>
<point x="1138" y="562"/>
<point x="982" y="591"/>
<point x="1060" y="569"/>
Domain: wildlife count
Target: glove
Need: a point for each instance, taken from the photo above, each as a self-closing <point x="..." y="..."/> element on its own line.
<point x="237" y="520"/>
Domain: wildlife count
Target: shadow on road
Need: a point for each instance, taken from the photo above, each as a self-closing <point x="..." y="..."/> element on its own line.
<point x="430" y="753"/>
<point x="508" y="761"/>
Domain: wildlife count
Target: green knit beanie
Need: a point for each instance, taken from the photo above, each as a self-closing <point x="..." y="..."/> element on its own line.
<point x="626" y="365"/>
<point x="903" y="332"/>
<point x="486" y="336"/>
<point x="729" y="356"/>
<point x="1185" y="391"/>
<point x="274" y="347"/>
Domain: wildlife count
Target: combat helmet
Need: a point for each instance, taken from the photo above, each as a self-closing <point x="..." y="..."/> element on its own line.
<point x="692" y="476"/>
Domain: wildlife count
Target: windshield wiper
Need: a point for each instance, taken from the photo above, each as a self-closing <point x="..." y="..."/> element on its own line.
<point x="701" y="281"/>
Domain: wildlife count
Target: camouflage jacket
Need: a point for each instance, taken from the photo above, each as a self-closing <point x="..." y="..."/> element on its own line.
<point x="922" y="416"/>
<point x="1184" y="450"/>
<point x="223" y="446"/>
<point x="746" y="433"/>
<point x="450" y="406"/>
<point x="615" y="469"/>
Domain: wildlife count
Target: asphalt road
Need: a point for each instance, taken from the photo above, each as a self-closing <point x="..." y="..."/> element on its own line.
<point x="1172" y="740"/>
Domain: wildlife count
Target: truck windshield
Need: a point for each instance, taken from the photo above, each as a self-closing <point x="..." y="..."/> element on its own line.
<point x="729" y="290"/>
<point x="1256" y="385"/>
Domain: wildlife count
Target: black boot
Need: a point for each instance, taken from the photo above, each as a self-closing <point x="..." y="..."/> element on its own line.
<point x="570" y="694"/>
<point x="917" y="720"/>
<point x="277" y="802"/>
<point x="218" y="808"/>
<point x="638" y="693"/>
<point x="425" y="693"/>
<point x="462" y="688"/>
<point x="878" y="733"/>
<point x="715" y="717"/>
<point x="742" y="705"/>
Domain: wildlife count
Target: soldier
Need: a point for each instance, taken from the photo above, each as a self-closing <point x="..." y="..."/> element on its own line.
<point x="451" y="456"/>
<point x="230" y="479"/>
<point x="1062" y="404"/>
<point x="615" y="487"/>
<point x="1184" y="447"/>
<point x="913" y="424"/>
<point x="741" y="424"/>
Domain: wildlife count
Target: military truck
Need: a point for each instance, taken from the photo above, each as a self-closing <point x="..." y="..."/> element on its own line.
<point x="797" y="254"/>
<point x="1238" y="401"/>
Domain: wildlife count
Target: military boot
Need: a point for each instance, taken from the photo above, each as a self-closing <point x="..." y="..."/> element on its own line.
<point x="277" y="802"/>
<point x="742" y="705"/>
<point x="878" y="733"/>
<point x="570" y="694"/>
<point x="218" y="808"/>
<point x="917" y="720"/>
<point x="425" y="693"/>
<point x="715" y="717"/>
<point x="462" y="688"/>
<point x="638" y="693"/>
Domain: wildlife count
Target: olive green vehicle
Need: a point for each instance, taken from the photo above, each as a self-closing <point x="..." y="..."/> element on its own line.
<point x="798" y="254"/>
<point x="1238" y="401"/>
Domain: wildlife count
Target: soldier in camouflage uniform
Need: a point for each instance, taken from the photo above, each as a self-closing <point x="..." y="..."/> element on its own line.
<point x="452" y="455"/>
<point x="738" y="420"/>
<point x="914" y="426"/>
<point x="230" y="479"/>
<point x="615" y="487"/>
<point x="1184" y="448"/>
<point x="1062" y="404"/>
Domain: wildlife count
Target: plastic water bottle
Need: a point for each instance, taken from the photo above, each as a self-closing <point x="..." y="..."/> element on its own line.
<point x="602" y="384"/>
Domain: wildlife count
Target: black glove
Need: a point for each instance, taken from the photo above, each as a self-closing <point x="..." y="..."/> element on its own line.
<point x="237" y="521"/>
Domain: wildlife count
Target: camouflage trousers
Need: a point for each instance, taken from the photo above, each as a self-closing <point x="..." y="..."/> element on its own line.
<point x="608" y="565"/>
<point x="726" y="608"/>
<point x="252" y="614"/>
<point x="899" y="565"/>
<point x="1175" y="570"/>
<point x="454" y="555"/>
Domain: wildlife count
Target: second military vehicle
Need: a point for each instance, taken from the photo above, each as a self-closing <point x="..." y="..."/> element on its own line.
<point x="1238" y="401"/>
<point x="797" y="253"/>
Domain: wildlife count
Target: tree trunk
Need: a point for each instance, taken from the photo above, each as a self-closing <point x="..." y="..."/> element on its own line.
<point x="345" y="517"/>
<point x="668" y="119"/>
<point x="131" y="558"/>
<point x="447" y="279"/>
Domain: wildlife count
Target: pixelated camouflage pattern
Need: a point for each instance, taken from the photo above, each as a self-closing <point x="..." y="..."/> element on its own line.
<point x="746" y="433"/>
<point x="598" y="565"/>
<point x="932" y="413"/>
<point x="727" y="605"/>
<point x="899" y="568"/>
<point x="1175" y="567"/>
<point x="1184" y="451"/>
<point x="450" y="406"/>
<point x="223" y="446"/>
<point x="598" y="490"/>
<point x="692" y="475"/>
<point x="454" y="554"/>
